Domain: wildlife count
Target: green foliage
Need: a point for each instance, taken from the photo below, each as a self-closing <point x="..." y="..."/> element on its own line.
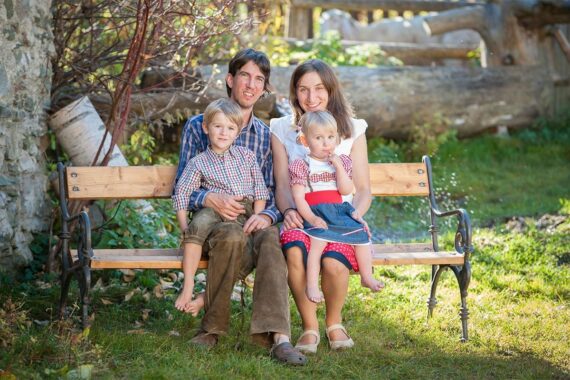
<point x="549" y="129"/>
<point x="140" y="148"/>
<point x="427" y="137"/>
<point x="141" y="224"/>
<point x="329" y="48"/>
<point x="384" y="150"/>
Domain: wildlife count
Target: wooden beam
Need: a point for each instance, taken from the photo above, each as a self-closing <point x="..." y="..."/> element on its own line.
<point x="397" y="5"/>
<point x="403" y="50"/>
<point x="562" y="41"/>
<point x="463" y="18"/>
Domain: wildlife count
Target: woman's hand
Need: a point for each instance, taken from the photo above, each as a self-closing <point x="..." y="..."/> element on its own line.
<point x="357" y="217"/>
<point x="318" y="222"/>
<point x="292" y="219"/>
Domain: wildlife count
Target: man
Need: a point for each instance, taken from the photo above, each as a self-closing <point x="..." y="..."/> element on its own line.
<point x="234" y="251"/>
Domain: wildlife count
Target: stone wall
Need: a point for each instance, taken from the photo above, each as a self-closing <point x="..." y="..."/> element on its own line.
<point x="26" y="42"/>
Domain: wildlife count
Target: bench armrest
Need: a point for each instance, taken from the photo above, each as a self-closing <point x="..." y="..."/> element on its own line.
<point x="464" y="233"/>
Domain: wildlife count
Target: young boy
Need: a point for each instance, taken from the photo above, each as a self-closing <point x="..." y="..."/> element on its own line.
<point x="222" y="168"/>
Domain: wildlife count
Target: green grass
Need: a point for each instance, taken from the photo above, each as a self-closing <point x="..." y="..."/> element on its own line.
<point x="519" y="297"/>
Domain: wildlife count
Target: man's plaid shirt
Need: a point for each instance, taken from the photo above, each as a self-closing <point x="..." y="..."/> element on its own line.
<point x="255" y="136"/>
<point x="234" y="172"/>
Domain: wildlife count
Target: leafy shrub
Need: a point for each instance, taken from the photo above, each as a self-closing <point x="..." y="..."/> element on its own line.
<point x="329" y="48"/>
<point x="141" y="224"/>
<point x="428" y="136"/>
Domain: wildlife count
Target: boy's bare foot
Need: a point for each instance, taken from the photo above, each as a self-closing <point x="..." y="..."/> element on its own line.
<point x="186" y="296"/>
<point x="372" y="284"/>
<point x="314" y="295"/>
<point x="193" y="307"/>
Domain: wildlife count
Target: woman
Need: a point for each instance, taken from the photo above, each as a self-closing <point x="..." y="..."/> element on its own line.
<point x="314" y="87"/>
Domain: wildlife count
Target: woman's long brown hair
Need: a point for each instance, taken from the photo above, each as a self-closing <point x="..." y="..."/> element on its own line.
<point x="338" y="106"/>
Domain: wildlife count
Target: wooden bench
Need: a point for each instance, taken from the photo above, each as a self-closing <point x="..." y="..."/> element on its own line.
<point x="152" y="182"/>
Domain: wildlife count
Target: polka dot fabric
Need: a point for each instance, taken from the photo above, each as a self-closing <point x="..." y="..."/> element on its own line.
<point x="291" y="236"/>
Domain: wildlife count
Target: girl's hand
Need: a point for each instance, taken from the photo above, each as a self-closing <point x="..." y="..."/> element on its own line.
<point x="318" y="222"/>
<point x="292" y="219"/>
<point x="335" y="160"/>
<point x="357" y="217"/>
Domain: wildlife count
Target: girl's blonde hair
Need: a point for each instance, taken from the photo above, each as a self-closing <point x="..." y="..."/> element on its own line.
<point x="228" y="107"/>
<point x="317" y="119"/>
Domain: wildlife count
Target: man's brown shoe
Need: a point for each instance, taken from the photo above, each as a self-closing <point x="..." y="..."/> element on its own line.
<point x="204" y="340"/>
<point x="264" y="340"/>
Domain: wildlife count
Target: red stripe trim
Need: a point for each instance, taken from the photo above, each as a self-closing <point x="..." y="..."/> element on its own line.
<point x="324" y="196"/>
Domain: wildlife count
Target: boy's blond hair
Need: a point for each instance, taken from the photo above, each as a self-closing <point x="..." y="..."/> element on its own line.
<point x="228" y="107"/>
<point x="317" y="118"/>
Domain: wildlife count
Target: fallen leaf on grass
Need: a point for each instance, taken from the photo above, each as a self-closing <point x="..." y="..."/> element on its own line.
<point x="128" y="275"/>
<point x="200" y="278"/>
<point x="99" y="284"/>
<point x="136" y="331"/>
<point x="158" y="293"/>
<point x="43" y="285"/>
<point x="173" y="333"/>
<point x="249" y="280"/>
<point x="145" y="314"/>
<point x="129" y="295"/>
<point x="83" y="372"/>
<point x="105" y="301"/>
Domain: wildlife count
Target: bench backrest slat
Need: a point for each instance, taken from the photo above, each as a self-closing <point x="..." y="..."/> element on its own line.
<point x="127" y="182"/>
<point x="396" y="179"/>
<point x="145" y="182"/>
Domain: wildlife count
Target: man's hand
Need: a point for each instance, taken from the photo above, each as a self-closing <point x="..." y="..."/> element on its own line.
<point x="226" y="205"/>
<point x="318" y="222"/>
<point x="256" y="222"/>
<point x="292" y="219"/>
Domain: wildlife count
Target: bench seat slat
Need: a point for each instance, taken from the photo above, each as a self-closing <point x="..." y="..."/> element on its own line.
<point x="418" y="258"/>
<point x="159" y="258"/>
<point x="171" y="258"/>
